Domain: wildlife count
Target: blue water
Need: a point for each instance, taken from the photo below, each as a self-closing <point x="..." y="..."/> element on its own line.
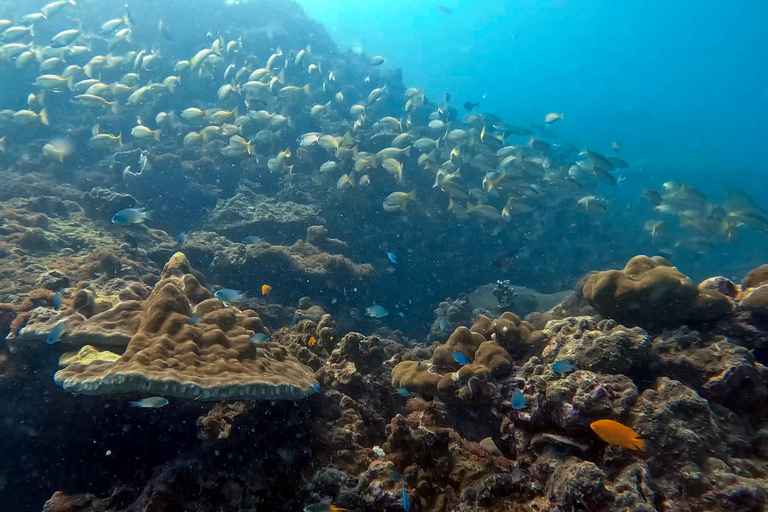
<point x="680" y="84"/>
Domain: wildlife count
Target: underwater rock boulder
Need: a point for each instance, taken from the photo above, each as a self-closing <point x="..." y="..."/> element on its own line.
<point x="49" y="252"/>
<point x="102" y="203"/>
<point x="449" y="315"/>
<point x="318" y="236"/>
<point x="578" y="482"/>
<point x="248" y="213"/>
<point x="571" y="403"/>
<point x="294" y="271"/>
<point x="161" y="183"/>
<point x="718" y="369"/>
<point x="448" y="471"/>
<point x="678" y="423"/>
<point x="602" y="347"/>
<point x="212" y="360"/>
<point x="651" y="293"/>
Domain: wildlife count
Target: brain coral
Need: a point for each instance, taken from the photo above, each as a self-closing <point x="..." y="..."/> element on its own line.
<point x="212" y="360"/>
<point x="650" y="292"/>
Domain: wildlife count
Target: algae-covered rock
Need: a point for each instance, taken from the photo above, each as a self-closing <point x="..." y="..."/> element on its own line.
<point x="718" y="369"/>
<point x="603" y="347"/>
<point x="248" y="213"/>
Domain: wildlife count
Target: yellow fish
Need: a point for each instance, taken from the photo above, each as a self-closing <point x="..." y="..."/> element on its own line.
<point x="613" y="432"/>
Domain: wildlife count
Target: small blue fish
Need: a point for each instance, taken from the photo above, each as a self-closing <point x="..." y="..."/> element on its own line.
<point x="55" y="335"/>
<point x="518" y="400"/>
<point x="334" y="301"/>
<point x="401" y="314"/>
<point x="563" y="367"/>
<point x="460" y="358"/>
<point x="131" y="216"/>
<point x="316" y="387"/>
<point x="182" y="238"/>
<point x="392" y="257"/>
<point x="57" y="300"/>
<point x="251" y="239"/>
<point x="418" y="364"/>
<point x="406" y="501"/>
<point x="403" y="391"/>
<point x="153" y="402"/>
<point x="376" y="311"/>
<point x="194" y="319"/>
<point x="230" y="295"/>
<point x="259" y="337"/>
<point x="443" y="324"/>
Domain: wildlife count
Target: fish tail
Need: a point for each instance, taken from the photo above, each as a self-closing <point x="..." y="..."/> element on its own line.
<point x="148" y="215"/>
<point x="134" y="404"/>
<point x="157" y="134"/>
<point x="44" y="117"/>
<point x="407" y="151"/>
<point x="120" y="139"/>
<point x="115" y="107"/>
<point x="639" y="444"/>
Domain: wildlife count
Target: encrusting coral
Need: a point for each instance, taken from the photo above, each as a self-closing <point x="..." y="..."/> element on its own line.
<point x="212" y="360"/>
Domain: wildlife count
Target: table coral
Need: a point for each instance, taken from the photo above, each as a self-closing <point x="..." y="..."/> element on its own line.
<point x="212" y="360"/>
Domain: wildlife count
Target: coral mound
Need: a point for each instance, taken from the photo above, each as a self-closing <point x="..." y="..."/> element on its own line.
<point x="444" y="374"/>
<point x="650" y="292"/>
<point x="213" y="360"/>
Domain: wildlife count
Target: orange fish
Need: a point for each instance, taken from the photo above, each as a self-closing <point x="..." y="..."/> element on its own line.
<point x="613" y="432"/>
<point x="312" y="341"/>
<point x="265" y="289"/>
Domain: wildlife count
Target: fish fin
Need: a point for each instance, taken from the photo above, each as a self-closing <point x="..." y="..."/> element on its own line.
<point x="120" y="139"/>
<point x="115" y="107"/>
<point x="407" y="151"/>
<point x="157" y="135"/>
<point x="44" y="117"/>
<point x="639" y="444"/>
<point x="149" y="215"/>
<point x="134" y="404"/>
